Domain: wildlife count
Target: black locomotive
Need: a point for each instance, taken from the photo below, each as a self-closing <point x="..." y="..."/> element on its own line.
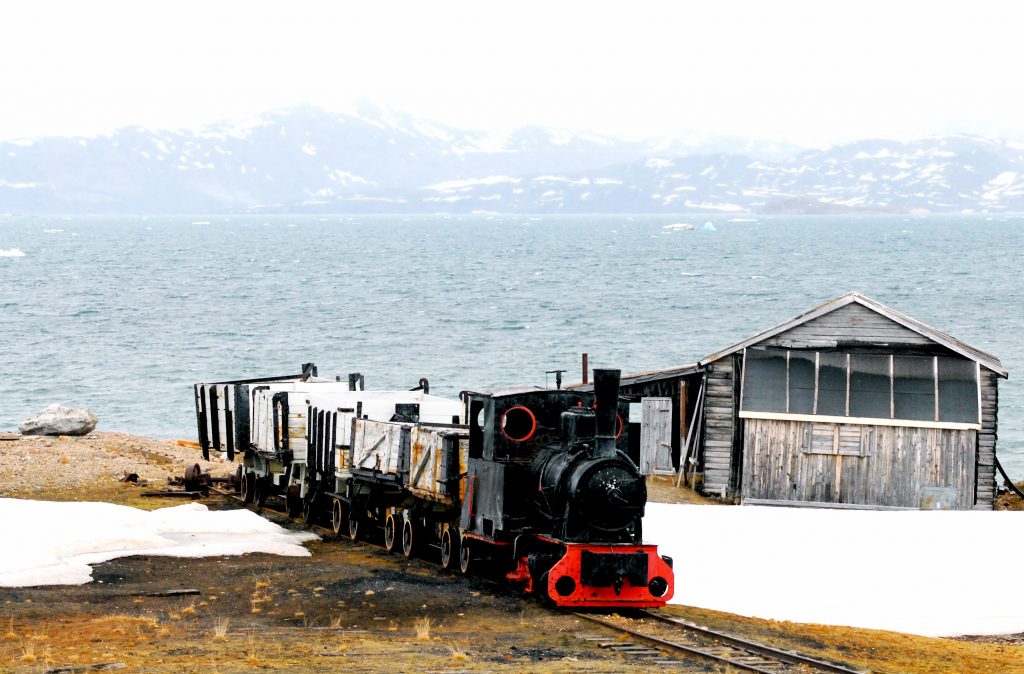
<point x="552" y="492"/>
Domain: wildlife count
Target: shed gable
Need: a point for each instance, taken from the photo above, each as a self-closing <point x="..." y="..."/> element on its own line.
<point x="850" y="324"/>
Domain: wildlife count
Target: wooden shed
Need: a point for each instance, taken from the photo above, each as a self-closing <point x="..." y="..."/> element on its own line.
<point x="850" y="405"/>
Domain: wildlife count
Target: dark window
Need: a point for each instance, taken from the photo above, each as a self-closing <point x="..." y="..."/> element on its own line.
<point x="764" y="383"/>
<point x="476" y="429"/>
<point x="832" y="384"/>
<point x="801" y="382"/>
<point x="958" y="390"/>
<point x="914" y="388"/>
<point x="870" y="395"/>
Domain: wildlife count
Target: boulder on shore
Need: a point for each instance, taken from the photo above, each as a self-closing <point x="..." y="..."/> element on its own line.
<point x="60" y="420"/>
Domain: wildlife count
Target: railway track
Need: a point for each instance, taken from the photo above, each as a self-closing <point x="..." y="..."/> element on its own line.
<point x="667" y="641"/>
<point x="666" y="638"/>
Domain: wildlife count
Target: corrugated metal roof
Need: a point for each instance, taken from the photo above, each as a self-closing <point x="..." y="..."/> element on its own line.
<point x="987" y="360"/>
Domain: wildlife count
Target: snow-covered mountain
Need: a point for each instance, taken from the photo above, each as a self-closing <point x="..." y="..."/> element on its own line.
<point x="308" y="160"/>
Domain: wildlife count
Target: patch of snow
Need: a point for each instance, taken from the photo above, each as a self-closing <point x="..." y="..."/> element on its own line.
<point x="893" y="566"/>
<point x="606" y="181"/>
<point x="881" y="154"/>
<point x="22" y="142"/>
<point x="12" y="252"/>
<point x="58" y="541"/>
<point x="1003" y="179"/>
<point x="309" y="149"/>
<point x="461" y="185"/>
<point x="346" y="178"/>
<point x="559" y="137"/>
<point x="656" y="163"/>
<point x="360" y="197"/>
<point x="19" y="186"/>
<point x="714" y="206"/>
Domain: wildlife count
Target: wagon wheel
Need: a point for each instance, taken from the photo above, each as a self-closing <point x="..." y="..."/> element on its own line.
<point x="292" y="500"/>
<point x="193" y="476"/>
<point x="337" y="516"/>
<point x="408" y="538"/>
<point x="261" y="490"/>
<point x="390" y="537"/>
<point x="239" y="477"/>
<point x="466" y="561"/>
<point x="308" y="509"/>
<point x="248" y="486"/>
<point x="353" y="525"/>
<point x="449" y="550"/>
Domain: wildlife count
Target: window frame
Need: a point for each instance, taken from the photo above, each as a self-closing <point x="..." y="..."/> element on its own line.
<point x="847" y="419"/>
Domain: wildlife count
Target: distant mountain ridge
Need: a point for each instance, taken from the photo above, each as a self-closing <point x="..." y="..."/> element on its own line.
<point x="306" y="160"/>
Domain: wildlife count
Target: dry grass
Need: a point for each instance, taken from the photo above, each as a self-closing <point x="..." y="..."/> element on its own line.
<point x="252" y="655"/>
<point x="28" y="652"/>
<point x="423" y="628"/>
<point x="662" y="489"/>
<point x="220" y="629"/>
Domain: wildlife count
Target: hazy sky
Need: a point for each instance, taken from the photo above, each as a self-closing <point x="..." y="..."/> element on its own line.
<point x="808" y="72"/>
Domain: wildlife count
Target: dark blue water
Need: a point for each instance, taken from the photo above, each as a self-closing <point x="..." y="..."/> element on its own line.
<point x="123" y="314"/>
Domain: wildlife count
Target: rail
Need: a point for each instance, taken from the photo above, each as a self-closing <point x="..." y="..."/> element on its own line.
<point x="724" y="648"/>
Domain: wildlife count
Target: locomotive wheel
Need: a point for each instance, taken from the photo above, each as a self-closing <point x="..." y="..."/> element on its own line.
<point x="248" y="486"/>
<point x="390" y="537"/>
<point x="337" y="516"/>
<point x="408" y="538"/>
<point x="449" y="550"/>
<point x="466" y="556"/>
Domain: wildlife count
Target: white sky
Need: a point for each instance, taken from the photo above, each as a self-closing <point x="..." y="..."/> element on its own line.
<point x="808" y="72"/>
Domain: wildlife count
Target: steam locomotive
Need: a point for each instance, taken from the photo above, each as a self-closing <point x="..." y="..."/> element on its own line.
<point x="536" y="486"/>
<point x="552" y="492"/>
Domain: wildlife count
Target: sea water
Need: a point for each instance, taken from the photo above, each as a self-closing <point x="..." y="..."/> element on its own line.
<point x="123" y="314"/>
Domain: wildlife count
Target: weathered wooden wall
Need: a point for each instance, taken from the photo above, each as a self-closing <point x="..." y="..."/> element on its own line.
<point x="888" y="466"/>
<point x="986" y="471"/>
<point x="719" y="428"/>
<point x="851" y="324"/>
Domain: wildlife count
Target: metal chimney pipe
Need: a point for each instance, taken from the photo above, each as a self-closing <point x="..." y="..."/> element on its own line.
<point x="606" y="397"/>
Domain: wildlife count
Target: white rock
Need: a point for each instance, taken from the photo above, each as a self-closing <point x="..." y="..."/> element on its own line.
<point x="60" y="420"/>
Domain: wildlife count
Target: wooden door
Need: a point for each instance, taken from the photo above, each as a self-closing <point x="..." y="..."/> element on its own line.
<point x="656" y="436"/>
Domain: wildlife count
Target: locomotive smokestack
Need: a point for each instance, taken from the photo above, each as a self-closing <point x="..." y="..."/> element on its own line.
<point x="606" y="396"/>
